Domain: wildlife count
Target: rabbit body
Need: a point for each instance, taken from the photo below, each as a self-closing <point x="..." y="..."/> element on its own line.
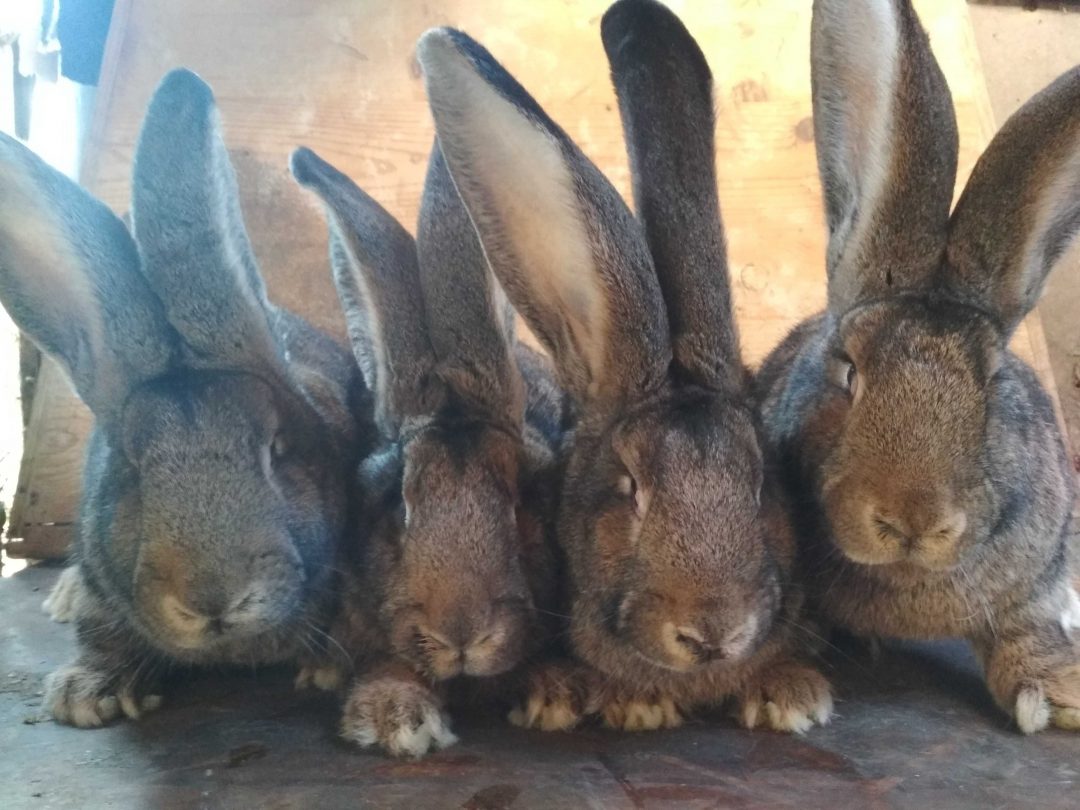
<point x="935" y="488"/>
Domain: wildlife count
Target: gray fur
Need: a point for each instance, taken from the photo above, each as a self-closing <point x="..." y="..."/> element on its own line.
<point x="81" y="297"/>
<point x="471" y="331"/>
<point x="186" y="219"/>
<point x="213" y="490"/>
<point x="378" y="281"/>
<point x="987" y="239"/>
<point x="673" y="166"/>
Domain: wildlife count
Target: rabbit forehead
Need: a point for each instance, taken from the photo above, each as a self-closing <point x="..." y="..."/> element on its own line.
<point x="948" y="340"/>
<point x="704" y="434"/>
<point x="192" y="404"/>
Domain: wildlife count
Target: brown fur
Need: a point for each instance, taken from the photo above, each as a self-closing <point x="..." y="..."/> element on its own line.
<point x="454" y="544"/>
<point x="677" y="543"/>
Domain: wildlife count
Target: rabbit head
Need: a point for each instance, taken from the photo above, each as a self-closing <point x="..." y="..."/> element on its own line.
<point x="921" y="304"/>
<point x="664" y="481"/>
<point x="432" y="335"/>
<point x="212" y="498"/>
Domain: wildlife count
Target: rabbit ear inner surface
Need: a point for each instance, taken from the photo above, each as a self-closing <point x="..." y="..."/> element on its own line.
<point x="560" y="240"/>
<point x="70" y="279"/>
<point x="886" y="139"/>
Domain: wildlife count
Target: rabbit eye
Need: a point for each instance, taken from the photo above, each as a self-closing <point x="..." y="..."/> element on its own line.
<point x="851" y="378"/>
<point x="627" y="486"/>
<point x="279" y="447"/>
<point x="845" y="375"/>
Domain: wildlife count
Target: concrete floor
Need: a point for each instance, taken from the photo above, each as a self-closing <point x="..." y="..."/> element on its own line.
<point x="914" y="729"/>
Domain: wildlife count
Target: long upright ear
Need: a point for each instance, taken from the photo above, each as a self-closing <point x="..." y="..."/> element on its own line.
<point x="1021" y="207"/>
<point x="465" y="315"/>
<point x="378" y="282"/>
<point x="886" y="140"/>
<point x="559" y="238"/>
<point x="665" y="97"/>
<point x="188" y="226"/>
<point x="69" y="277"/>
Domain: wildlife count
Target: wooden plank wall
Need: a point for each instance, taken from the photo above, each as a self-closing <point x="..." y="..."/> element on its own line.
<point x="341" y="76"/>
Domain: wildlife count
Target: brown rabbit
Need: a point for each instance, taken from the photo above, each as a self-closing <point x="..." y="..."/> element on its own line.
<point x="678" y="548"/>
<point x="455" y="549"/>
<point x="935" y="480"/>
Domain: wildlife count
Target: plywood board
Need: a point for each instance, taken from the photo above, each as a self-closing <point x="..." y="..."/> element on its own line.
<point x="340" y="76"/>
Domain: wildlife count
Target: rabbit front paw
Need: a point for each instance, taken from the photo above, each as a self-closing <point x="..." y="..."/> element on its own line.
<point x="1051" y="701"/>
<point x="556" y="697"/>
<point x="62" y="602"/>
<point x="631" y="711"/>
<point x="401" y="716"/>
<point x="324" y="677"/>
<point x="789" y="696"/>
<point x="82" y="696"/>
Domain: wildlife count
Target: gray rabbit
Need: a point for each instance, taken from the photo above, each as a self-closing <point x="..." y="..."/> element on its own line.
<point x="214" y="490"/>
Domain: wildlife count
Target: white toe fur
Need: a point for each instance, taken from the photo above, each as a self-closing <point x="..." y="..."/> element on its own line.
<point x="1032" y="710"/>
<point x="432" y="734"/>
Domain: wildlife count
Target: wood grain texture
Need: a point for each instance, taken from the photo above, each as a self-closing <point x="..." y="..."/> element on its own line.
<point x="340" y="76"/>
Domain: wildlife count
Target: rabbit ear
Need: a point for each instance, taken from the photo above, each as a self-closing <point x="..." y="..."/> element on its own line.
<point x="886" y="143"/>
<point x="465" y="316"/>
<point x="1021" y="207"/>
<point x="69" y="277"/>
<point x="375" y="271"/>
<point x="665" y="97"/>
<point x="557" y="235"/>
<point x="188" y="226"/>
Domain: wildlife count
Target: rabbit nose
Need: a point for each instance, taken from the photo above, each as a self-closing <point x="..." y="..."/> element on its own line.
<point x="697" y="644"/>
<point x="694" y="645"/>
<point x="925" y="523"/>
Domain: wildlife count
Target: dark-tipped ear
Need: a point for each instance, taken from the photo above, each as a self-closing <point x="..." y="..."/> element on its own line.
<point x="665" y="97"/>
<point x="378" y="282"/>
<point x="559" y="238"/>
<point x="1021" y="207"/>
<point x="886" y="141"/>
<point x="69" y="277"/>
<point x="188" y="226"/>
<point x="466" y="317"/>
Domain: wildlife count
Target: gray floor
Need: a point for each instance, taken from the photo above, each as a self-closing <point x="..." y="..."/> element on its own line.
<point x="914" y="729"/>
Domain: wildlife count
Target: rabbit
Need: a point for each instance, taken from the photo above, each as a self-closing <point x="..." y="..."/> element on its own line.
<point x="214" y="494"/>
<point x="936" y="487"/>
<point x="455" y="542"/>
<point x="682" y="591"/>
